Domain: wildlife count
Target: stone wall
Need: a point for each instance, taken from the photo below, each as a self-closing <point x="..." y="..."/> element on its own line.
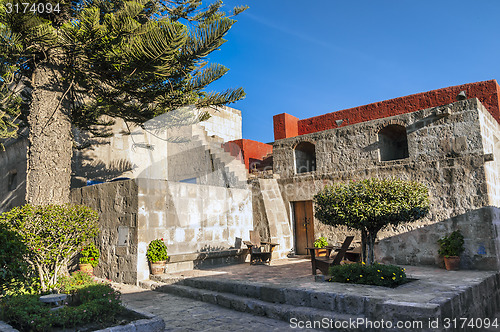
<point x="117" y="204"/>
<point x="145" y="151"/>
<point x="490" y="133"/>
<point x="487" y="92"/>
<point x="191" y="218"/>
<point x="194" y="221"/>
<point x="270" y="215"/>
<point x="446" y="153"/>
<point x="13" y="174"/>
<point x="225" y="122"/>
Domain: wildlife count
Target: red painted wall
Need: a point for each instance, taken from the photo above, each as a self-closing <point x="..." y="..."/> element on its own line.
<point x="285" y="125"/>
<point x="488" y="92"/>
<point x="246" y="149"/>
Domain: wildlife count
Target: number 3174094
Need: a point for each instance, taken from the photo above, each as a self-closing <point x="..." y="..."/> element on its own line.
<point x="35" y="8"/>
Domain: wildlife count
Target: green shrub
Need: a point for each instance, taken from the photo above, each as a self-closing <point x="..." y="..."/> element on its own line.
<point x="13" y="266"/>
<point x="451" y="245"/>
<point x="98" y="303"/>
<point x="53" y="235"/>
<point x="375" y="274"/>
<point x="320" y="242"/>
<point x="89" y="255"/>
<point x="157" y="251"/>
<point x="78" y="279"/>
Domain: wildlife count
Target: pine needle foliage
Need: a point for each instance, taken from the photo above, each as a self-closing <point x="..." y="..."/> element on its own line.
<point x="133" y="60"/>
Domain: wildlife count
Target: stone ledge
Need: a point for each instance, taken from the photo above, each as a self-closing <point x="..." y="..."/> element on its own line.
<point x="151" y="323"/>
<point x="4" y="327"/>
<point x="198" y="256"/>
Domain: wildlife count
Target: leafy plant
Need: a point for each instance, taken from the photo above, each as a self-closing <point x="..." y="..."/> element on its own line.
<point x="157" y="251"/>
<point x="374" y="274"/>
<point x="89" y="255"/>
<point x="13" y="266"/>
<point x="98" y="303"/>
<point x="371" y="205"/>
<point x="53" y="235"/>
<point x="77" y="280"/>
<point x="320" y="242"/>
<point x="451" y="245"/>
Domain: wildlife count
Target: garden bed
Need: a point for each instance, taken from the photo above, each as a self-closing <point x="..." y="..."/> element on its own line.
<point x="91" y="305"/>
<point x="375" y="274"/>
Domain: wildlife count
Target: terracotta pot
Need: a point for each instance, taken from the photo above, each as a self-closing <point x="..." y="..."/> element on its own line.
<point x="452" y="263"/>
<point x="157" y="267"/>
<point x="320" y="252"/>
<point x="87" y="268"/>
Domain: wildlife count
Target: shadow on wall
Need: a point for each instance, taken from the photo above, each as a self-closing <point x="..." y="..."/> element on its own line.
<point x="419" y="246"/>
<point x="86" y="167"/>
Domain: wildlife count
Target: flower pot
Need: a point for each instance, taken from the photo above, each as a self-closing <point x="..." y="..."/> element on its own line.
<point x="157" y="267"/>
<point x="452" y="263"/>
<point x="87" y="268"/>
<point x="320" y="252"/>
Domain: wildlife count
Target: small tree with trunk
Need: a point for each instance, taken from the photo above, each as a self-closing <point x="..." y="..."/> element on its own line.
<point x="53" y="234"/>
<point x="370" y="205"/>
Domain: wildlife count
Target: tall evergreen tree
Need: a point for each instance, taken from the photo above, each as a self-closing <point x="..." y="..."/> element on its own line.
<point x="133" y="60"/>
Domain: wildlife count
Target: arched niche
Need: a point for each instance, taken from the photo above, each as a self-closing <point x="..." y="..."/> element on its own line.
<point x="393" y="142"/>
<point x="305" y="157"/>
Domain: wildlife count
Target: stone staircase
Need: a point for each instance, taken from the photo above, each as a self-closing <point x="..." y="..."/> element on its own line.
<point x="266" y="300"/>
<point x="232" y="170"/>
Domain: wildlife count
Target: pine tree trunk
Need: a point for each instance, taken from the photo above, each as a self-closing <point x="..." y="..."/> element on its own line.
<point x="50" y="144"/>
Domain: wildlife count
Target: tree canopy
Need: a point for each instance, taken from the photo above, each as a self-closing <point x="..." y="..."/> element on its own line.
<point x="370" y="205"/>
<point x="129" y="59"/>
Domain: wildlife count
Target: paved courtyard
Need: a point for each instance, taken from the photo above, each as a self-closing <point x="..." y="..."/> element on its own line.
<point x="182" y="314"/>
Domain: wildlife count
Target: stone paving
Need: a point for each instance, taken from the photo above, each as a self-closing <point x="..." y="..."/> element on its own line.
<point x="182" y="314"/>
<point x="296" y="273"/>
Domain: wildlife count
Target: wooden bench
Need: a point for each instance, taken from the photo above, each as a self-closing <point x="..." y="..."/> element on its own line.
<point x="324" y="263"/>
<point x="260" y="251"/>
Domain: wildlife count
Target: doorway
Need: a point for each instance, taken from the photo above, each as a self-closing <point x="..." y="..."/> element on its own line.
<point x="304" y="226"/>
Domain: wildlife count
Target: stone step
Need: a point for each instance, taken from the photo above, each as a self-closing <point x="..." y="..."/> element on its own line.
<point x="341" y="303"/>
<point x="279" y="311"/>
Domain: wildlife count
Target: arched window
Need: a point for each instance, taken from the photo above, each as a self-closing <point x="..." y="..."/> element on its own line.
<point x="393" y="143"/>
<point x="305" y="157"/>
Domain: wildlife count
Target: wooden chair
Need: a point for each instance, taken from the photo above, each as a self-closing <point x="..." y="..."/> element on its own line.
<point x="260" y="251"/>
<point x="324" y="263"/>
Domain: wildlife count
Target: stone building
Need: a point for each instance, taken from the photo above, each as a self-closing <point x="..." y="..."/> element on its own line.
<point x="446" y="139"/>
<point x="202" y="188"/>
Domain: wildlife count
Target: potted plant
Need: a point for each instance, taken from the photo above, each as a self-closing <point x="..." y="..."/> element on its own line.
<point x="89" y="258"/>
<point x="450" y="247"/>
<point x="157" y="256"/>
<point x="320" y="243"/>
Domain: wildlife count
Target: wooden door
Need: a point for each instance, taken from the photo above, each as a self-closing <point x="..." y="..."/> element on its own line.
<point x="304" y="226"/>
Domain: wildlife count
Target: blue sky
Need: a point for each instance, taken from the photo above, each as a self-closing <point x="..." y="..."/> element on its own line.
<point x="308" y="58"/>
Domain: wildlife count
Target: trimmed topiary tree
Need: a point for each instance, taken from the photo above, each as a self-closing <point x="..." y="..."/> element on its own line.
<point x="370" y="205"/>
<point x="53" y="235"/>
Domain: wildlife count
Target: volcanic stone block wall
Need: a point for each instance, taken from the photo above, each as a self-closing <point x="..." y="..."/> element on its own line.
<point x="490" y="132"/>
<point x="446" y="152"/>
<point x="225" y="122"/>
<point x="270" y="215"/>
<point x="143" y="151"/>
<point x="117" y="204"/>
<point x="487" y="92"/>
<point x="191" y="218"/>
<point x="13" y="174"/>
